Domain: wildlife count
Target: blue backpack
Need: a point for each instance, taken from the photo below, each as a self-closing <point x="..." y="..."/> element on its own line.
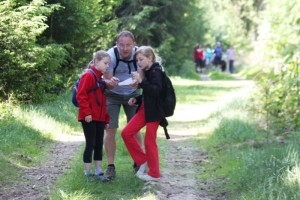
<point x="99" y="84"/>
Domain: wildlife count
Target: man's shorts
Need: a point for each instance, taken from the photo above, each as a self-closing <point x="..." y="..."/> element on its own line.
<point x="114" y="102"/>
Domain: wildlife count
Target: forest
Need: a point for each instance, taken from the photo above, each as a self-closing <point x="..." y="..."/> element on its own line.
<point x="51" y="42"/>
<point x="46" y="44"/>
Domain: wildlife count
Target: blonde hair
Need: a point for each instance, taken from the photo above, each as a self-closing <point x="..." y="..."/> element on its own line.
<point x="99" y="55"/>
<point x="149" y="53"/>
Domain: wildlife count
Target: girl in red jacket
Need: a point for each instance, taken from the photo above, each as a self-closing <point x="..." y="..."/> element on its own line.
<point x="92" y="111"/>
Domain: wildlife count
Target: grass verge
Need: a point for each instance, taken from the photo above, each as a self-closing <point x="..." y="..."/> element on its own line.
<point x="250" y="163"/>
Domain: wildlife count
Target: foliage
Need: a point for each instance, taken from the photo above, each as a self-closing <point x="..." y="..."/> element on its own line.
<point x="27" y="131"/>
<point x="280" y="90"/>
<point x="251" y="166"/>
<point x="25" y="66"/>
<point x="86" y="25"/>
<point x="214" y="75"/>
<point x="168" y="31"/>
<point x="188" y="71"/>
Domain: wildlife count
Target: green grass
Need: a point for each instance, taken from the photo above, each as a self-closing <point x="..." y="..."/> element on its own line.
<point x="244" y="162"/>
<point x="251" y="163"/>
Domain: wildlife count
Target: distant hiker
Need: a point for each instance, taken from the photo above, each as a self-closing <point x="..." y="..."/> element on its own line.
<point x="218" y="52"/>
<point x="92" y="112"/>
<point x="208" y="56"/>
<point x="121" y="66"/>
<point x="199" y="56"/>
<point x="150" y="113"/>
<point x="231" y="57"/>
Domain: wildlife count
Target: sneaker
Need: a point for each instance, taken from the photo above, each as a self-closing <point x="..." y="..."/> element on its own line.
<point x="110" y="172"/>
<point x="142" y="169"/>
<point x="88" y="173"/>
<point x="99" y="173"/>
<point x="146" y="177"/>
<point x="104" y="178"/>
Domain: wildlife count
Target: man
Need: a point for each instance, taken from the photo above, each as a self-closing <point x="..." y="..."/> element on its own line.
<point x="120" y="94"/>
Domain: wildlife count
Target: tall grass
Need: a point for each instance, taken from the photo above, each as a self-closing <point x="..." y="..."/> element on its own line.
<point x="252" y="165"/>
<point x="27" y="131"/>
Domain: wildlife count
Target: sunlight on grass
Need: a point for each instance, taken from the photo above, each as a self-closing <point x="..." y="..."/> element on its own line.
<point x="42" y="122"/>
<point x="293" y="176"/>
<point x="78" y="195"/>
<point x="188" y="116"/>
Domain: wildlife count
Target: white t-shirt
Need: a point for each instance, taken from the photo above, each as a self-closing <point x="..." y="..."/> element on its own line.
<point x="122" y="72"/>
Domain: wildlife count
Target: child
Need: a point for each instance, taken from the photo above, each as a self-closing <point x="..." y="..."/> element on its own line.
<point x="149" y="114"/>
<point x="92" y="111"/>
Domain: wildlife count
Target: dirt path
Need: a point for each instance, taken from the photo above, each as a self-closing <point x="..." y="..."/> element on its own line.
<point x="185" y="161"/>
<point x="181" y="177"/>
<point x="36" y="181"/>
<point x="180" y="180"/>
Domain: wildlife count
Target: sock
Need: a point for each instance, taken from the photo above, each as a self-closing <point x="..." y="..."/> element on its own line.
<point x="111" y="165"/>
<point x="98" y="171"/>
<point x="87" y="172"/>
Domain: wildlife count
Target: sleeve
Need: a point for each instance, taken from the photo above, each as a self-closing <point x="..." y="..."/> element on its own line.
<point x="153" y="86"/>
<point x="112" y="63"/>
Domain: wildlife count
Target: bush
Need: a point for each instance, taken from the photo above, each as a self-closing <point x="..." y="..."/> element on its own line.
<point x="188" y="70"/>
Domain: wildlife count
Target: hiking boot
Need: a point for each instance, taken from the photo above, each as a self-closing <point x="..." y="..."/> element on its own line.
<point x="146" y="177"/>
<point x="110" y="172"/>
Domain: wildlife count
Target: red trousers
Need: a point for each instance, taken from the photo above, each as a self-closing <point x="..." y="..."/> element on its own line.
<point x="150" y="155"/>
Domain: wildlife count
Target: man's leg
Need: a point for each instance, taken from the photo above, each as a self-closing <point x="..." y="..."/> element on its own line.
<point x="110" y="145"/>
<point x="113" y="109"/>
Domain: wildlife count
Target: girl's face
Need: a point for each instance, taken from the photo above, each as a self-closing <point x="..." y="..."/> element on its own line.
<point x="143" y="61"/>
<point x="102" y="65"/>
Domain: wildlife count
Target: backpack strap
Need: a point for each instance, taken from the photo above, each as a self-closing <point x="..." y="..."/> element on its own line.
<point x="125" y="61"/>
<point x="164" y="123"/>
<point x="98" y="85"/>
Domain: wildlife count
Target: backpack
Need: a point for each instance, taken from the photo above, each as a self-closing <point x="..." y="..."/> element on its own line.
<point x="169" y="101"/>
<point x="169" y="96"/>
<point x="98" y="85"/>
<point x="118" y="59"/>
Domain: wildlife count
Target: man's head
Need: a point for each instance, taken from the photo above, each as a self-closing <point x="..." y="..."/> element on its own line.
<point x="125" y="43"/>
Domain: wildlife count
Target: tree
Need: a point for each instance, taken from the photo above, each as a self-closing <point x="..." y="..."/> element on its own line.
<point x="155" y="23"/>
<point x="26" y="66"/>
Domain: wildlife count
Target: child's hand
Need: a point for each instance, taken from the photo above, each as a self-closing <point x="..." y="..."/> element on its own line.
<point x="131" y="101"/>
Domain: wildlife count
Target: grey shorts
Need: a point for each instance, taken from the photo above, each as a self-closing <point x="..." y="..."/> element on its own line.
<point x="114" y="102"/>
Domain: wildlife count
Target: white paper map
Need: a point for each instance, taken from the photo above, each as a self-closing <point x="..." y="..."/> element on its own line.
<point x="126" y="82"/>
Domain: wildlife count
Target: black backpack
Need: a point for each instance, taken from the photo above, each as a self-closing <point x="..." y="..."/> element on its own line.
<point x="118" y="59"/>
<point x="168" y="100"/>
<point x="169" y="96"/>
<point x="99" y="84"/>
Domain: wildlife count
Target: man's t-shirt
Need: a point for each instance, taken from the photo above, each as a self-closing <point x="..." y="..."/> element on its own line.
<point x="122" y="72"/>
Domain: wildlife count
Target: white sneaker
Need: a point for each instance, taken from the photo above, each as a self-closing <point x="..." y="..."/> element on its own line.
<point x="142" y="169"/>
<point x="146" y="177"/>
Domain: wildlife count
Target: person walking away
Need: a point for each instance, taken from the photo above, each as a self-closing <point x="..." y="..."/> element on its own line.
<point x="231" y="57"/>
<point x="199" y="58"/>
<point x="92" y="112"/>
<point x="119" y="95"/>
<point x="208" y="56"/>
<point x="218" y="52"/>
<point x="150" y="113"/>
